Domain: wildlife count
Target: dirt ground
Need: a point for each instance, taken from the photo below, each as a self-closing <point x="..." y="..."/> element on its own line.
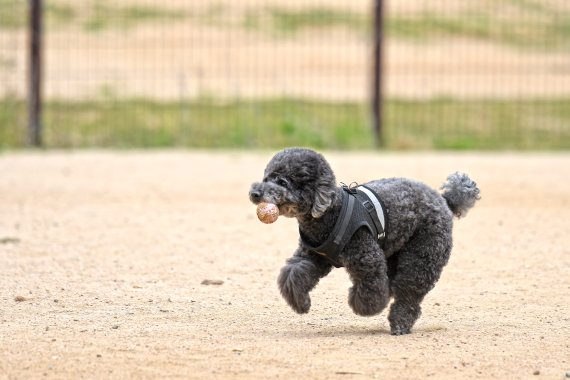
<point x="103" y="256"/>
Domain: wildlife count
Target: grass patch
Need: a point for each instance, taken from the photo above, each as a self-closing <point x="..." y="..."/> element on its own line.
<point x="103" y="15"/>
<point x="12" y="14"/>
<point x="522" y="23"/>
<point x="519" y="23"/>
<point x="59" y="14"/>
<point x="12" y="121"/>
<point x="93" y="15"/>
<point x="530" y="24"/>
<point x="537" y="33"/>
<point x="479" y="124"/>
<point x="435" y="124"/>
<point x="288" y="22"/>
<point x="205" y="123"/>
<point x="536" y="25"/>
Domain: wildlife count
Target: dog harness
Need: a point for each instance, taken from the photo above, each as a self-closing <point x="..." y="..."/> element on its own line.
<point x="361" y="207"/>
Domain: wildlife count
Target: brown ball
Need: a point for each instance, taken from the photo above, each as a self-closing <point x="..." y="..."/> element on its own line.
<point x="267" y="212"/>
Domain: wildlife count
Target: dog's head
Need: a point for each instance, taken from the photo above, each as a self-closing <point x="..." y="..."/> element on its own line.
<point x="299" y="181"/>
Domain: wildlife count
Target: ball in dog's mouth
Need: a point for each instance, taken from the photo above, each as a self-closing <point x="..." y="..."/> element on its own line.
<point x="267" y="212"/>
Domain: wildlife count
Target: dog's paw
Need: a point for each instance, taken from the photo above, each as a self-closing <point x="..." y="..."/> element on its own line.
<point x="402" y="317"/>
<point x="300" y="303"/>
<point x="399" y="330"/>
<point x="293" y="286"/>
<point x="366" y="302"/>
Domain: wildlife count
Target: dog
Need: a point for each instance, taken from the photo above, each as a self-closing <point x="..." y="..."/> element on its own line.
<point x="397" y="251"/>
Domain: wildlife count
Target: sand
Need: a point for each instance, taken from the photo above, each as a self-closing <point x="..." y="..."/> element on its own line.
<point x="154" y="265"/>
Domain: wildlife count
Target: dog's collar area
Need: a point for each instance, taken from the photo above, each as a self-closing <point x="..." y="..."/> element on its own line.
<point x="351" y="188"/>
<point x="361" y="207"/>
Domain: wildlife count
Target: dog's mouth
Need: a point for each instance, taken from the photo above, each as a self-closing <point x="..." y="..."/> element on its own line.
<point x="285" y="209"/>
<point x="289" y="210"/>
<point x="271" y="193"/>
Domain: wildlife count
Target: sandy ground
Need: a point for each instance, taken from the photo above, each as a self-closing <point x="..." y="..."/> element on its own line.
<point x="191" y="58"/>
<point x="103" y="255"/>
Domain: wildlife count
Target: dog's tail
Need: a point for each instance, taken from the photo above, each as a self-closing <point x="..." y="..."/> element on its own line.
<point x="460" y="192"/>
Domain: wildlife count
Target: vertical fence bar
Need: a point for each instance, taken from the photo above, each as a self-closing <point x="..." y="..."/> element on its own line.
<point x="377" y="77"/>
<point x="35" y="74"/>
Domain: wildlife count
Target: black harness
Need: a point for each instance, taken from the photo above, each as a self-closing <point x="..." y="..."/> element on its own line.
<point x="361" y="207"/>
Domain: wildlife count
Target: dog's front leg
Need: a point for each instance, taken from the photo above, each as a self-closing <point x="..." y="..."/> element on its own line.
<point x="299" y="276"/>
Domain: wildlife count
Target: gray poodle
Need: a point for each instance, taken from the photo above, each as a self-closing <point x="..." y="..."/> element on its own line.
<point x="398" y="248"/>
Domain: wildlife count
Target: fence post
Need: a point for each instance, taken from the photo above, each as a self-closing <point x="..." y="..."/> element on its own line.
<point x="35" y="74"/>
<point x="377" y="94"/>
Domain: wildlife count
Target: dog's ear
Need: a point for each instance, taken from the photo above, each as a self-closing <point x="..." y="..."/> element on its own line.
<point x="324" y="195"/>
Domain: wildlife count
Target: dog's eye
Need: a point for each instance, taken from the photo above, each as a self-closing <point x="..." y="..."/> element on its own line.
<point x="282" y="182"/>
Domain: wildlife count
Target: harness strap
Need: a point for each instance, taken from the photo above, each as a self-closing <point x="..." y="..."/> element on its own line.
<point x="345" y="219"/>
<point x="361" y="207"/>
<point x="376" y="210"/>
<point x="333" y="245"/>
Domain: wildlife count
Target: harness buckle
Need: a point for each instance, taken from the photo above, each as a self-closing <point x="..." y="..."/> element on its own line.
<point x="351" y="189"/>
<point x="368" y="205"/>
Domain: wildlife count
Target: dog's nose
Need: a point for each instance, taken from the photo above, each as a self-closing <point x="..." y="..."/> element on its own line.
<point x="255" y="195"/>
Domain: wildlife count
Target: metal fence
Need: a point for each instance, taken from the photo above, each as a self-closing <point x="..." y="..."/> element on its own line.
<point x="142" y="73"/>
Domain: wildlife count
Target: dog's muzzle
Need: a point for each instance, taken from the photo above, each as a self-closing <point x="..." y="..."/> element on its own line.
<point x="256" y="193"/>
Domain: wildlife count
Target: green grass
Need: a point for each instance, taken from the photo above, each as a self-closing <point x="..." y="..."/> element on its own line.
<point x="12" y="14"/>
<point x="207" y="123"/>
<point x="528" y="24"/>
<point x="435" y="124"/>
<point x="105" y="15"/>
<point x="521" y="23"/>
<point x="548" y="33"/>
<point x="479" y="124"/>
<point x="289" y="22"/>
<point x="536" y="26"/>
<point x="12" y="118"/>
<point x="92" y="15"/>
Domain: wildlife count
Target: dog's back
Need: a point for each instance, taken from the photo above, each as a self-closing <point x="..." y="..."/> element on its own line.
<point x="411" y="204"/>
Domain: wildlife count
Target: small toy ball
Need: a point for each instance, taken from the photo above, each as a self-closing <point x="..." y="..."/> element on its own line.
<point x="267" y="212"/>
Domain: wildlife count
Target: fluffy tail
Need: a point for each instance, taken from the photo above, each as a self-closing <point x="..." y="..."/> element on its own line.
<point x="460" y="193"/>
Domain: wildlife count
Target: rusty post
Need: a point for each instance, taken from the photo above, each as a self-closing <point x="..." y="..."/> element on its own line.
<point x="35" y="74"/>
<point x="377" y="77"/>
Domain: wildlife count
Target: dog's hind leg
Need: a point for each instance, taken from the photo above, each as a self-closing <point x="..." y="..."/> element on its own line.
<point x="406" y="308"/>
<point x="299" y="276"/>
<point x="419" y="266"/>
<point x="366" y="265"/>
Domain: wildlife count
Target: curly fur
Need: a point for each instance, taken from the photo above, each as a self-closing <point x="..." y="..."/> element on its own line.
<point x="416" y="247"/>
<point x="460" y="193"/>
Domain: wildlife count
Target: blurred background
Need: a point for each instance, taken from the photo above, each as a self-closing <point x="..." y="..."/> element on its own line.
<point x="456" y="74"/>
